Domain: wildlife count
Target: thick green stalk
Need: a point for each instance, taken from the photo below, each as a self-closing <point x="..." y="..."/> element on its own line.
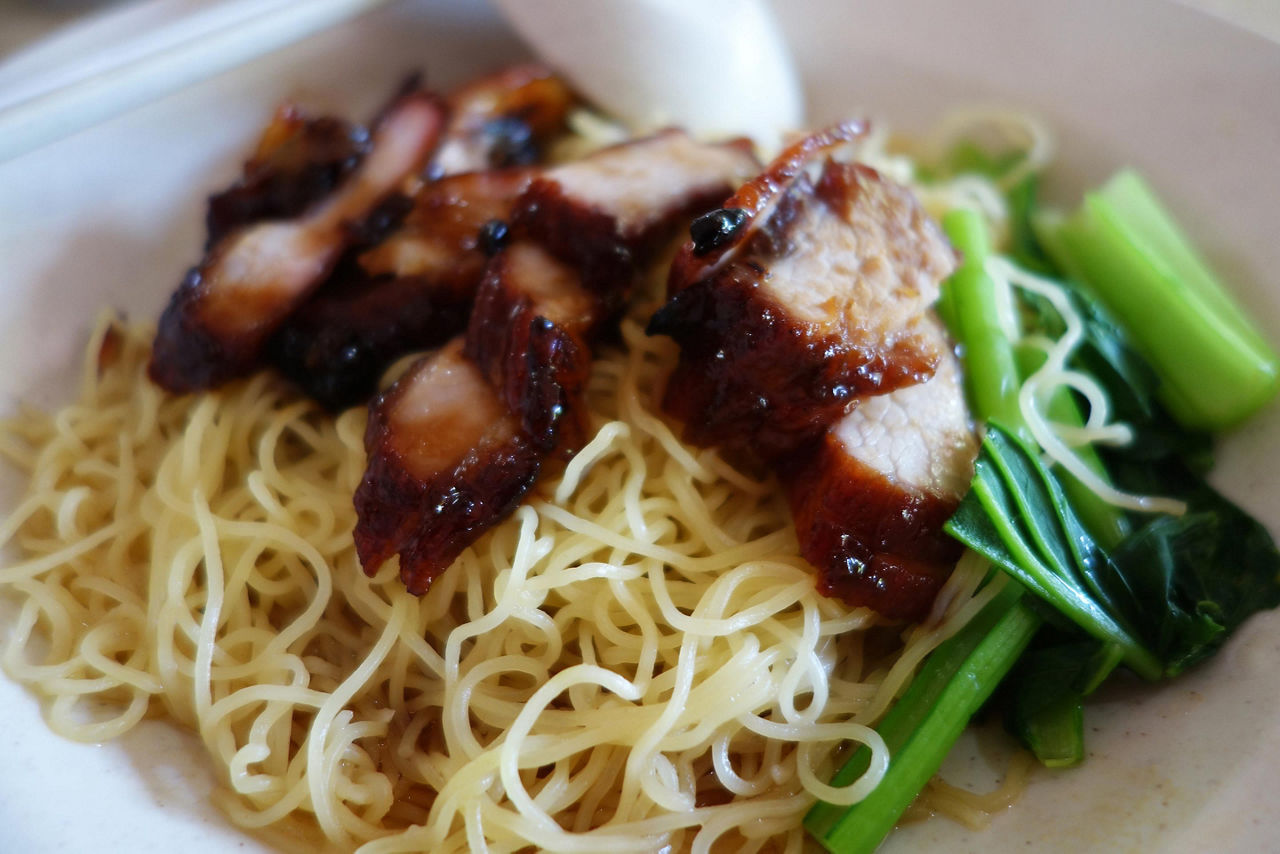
<point x="922" y="726"/>
<point x="991" y="372"/>
<point x="1216" y="369"/>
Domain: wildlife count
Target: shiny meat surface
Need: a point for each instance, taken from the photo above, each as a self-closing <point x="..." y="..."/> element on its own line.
<point x="527" y="352"/>
<point x="507" y="118"/>
<point x="641" y="184"/>
<point x="411" y="291"/>
<point x="439" y="238"/>
<point x="447" y="461"/>
<point x="530" y="333"/>
<point x="816" y="299"/>
<point x="217" y="323"/>
<point x="870" y="499"/>
<point x="606" y="213"/>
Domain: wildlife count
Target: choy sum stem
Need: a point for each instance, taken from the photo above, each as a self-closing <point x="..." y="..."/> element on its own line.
<point x="923" y="725"/>
<point x="1215" y="366"/>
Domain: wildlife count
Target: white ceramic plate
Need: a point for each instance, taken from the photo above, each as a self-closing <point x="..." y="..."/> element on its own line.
<point x="113" y="217"/>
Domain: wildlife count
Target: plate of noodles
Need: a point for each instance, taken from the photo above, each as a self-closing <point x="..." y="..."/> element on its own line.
<point x="346" y="711"/>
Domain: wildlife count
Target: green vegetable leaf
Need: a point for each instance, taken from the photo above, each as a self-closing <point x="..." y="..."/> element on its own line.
<point x="1133" y="388"/>
<point x="1211" y="569"/>
<point x="1167" y="596"/>
<point x="1032" y="533"/>
<point x="1047" y="709"/>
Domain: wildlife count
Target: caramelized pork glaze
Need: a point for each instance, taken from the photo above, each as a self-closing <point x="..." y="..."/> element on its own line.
<point x="218" y="322"/>
<point x="447" y="461"/>
<point x="870" y="499"/>
<point x="412" y="290"/>
<point x="806" y="341"/>
<point x="813" y="303"/>
<point x="300" y="159"/>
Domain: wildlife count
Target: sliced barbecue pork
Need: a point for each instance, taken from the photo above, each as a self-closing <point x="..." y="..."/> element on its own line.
<point x="531" y="333"/>
<point x="299" y="160"/>
<point x="218" y="322"/>
<point x="447" y="461"/>
<point x="607" y="213"/>
<point x="508" y="118"/>
<point x="808" y="294"/>
<point x="870" y="499"/>
<point x="540" y="307"/>
<point x="414" y="289"/>
<point x="411" y="291"/>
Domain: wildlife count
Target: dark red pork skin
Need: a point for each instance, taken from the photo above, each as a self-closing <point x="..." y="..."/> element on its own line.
<point x="219" y="320"/>
<point x="806" y="341"/>
<point x="812" y="302"/>
<point x="869" y="500"/>
<point x="531" y="333"/>
<point x="580" y="236"/>
<point x="299" y="161"/>
<point x="608" y="213"/>
<point x="874" y="543"/>
<point x="539" y="309"/>
<point x="411" y="291"/>
<point x="447" y="461"/>
<point x="505" y="119"/>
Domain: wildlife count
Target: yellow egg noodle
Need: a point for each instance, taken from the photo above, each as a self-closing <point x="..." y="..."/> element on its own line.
<point x="637" y="658"/>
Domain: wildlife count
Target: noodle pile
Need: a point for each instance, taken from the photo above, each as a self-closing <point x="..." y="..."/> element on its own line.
<point x="637" y="658"/>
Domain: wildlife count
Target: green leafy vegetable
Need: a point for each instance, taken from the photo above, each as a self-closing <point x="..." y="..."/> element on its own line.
<point x="1167" y="596"/>
<point x="1047" y="712"/>
<point x="1016" y="516"/>
<point x="1158" y="593"/>
<point x="1133" y="388"/>
<point x="1106" y="522"/>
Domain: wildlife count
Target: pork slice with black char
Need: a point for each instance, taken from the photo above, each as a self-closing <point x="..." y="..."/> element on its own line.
<point x="218" y="322"/>
<point x="447" y="461"/>
<point x="508" y="118"/>
<point x="531" y="332"/>
<point x="814" y="298"/>
<point x="869" y="500"/>
<point x="526" y="359"/>
<point x="300" y="159"/>
<point x="411" y="291"/>
<point x="462" y="435"/>
<point x="608" y="213"/>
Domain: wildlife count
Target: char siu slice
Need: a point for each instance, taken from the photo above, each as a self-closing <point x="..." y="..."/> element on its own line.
<point x="504" y="119"/>
<point x="607" y="213"/>
<point x="808" y="293"/>
<point x="410" y="292"/>
<point x="870" y="499"/>
<point x="447" y="461"/>
<point x="217" y="323"/>
<point x="299" y="161"/>
<point x="531" y="332"/>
